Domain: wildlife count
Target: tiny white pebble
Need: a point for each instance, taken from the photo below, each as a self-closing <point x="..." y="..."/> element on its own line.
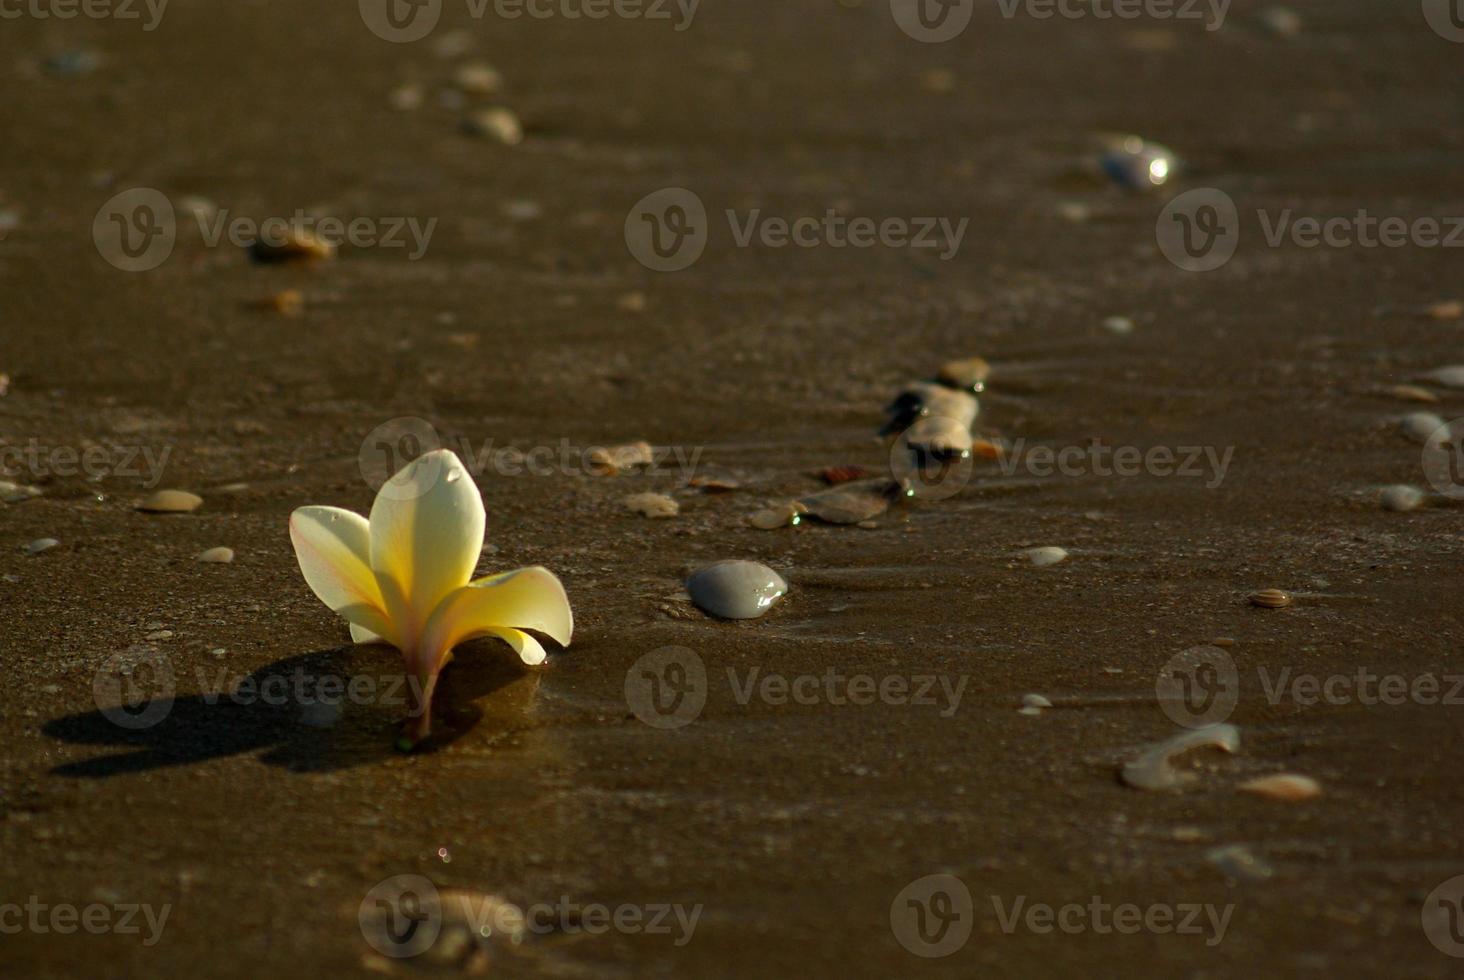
<point x="1045" y="556"/>
<point x="41" y="544"/>
<point x="1120" y="325"/>
<point x="217" y="556"/>
<point x="1402" y="498"/>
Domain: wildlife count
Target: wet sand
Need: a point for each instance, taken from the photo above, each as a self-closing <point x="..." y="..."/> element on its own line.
<point x="795" y="826"/>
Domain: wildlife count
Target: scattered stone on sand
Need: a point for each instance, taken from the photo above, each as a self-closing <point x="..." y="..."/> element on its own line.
<point x="634" y="302"/>
<point x="1413" y="393"/>
<point x="1270" y="599"/>
<point x="41" y="544"/>
<point x="923" y="399"/>
<point x="1451" y="309"/>
<point x="1042" y="557"/>
<point x="14" y="493"/>
<point x="286" y="302"/>
<point x="1154" y="768"/>
<point x="1137" y="164"/>
<point x="1236" y="861"/>
<point x="496" y="123"/>
<point x="1033" y="704"/>
<point x="1120" y="325"/>
<point x="4" y="385"/>
<point x="736" y="589"/>
<point x="770" y="518"/>
<point x="835" y="475"/>
<point x="1280" y="21"/>
<point x="1285" y="787"/>
<point x="939" y="438"/>
<point x="163" y="634"/>
<point x="408" y="97"/>
<point x="522" y="209"/>
<point x="652" y="505"/>
<point x="610" y="460"/>
<point x="1425" y="428"/>
<point x="295" y="245"/>
<point x="171" y="502"/>
<point x="453" y="44"/>
<point x="1402" y="498"/>
<point x="967" y="373"/>
<point x="1450" y="377"/>
<point x="477" y="78"/>
<point x="850" y="503"/>
<point x="216" y="556"/>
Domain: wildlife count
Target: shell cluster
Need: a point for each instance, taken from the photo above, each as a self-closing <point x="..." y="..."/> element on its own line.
<point x="934" y="418"/>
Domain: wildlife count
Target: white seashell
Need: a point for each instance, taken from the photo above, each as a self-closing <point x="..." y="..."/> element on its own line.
<point x="1402" y="498"/>
<point x="1120" y="325"/>
<point x="1425" y="428"/>
<point x="1035" y="702"/>
<point x="171" y="502"/>
<point x="1450" y="377"/>
<point x="1286" y="787"/>
<point x="653" y="505"/>
<point x="41" y="544"/>
<point x="1042" y="557"/>
<point x="498" y="124"/>
<point x="736" y="589"/>
<point x="1154" y="768"/>
<point x="216" y="556"/>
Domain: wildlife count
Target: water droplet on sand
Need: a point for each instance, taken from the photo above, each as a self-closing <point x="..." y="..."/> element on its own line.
<point x="1042" y="557"/>
<point x="216" y="556"/>
<point x="736" y="589"/>
<point x="1286" y="787"/>
<point x="171" y="502"/>
<point x="41" y="544"/>
<point x="1154" y="768"/>
<point x="1402" y="498"/>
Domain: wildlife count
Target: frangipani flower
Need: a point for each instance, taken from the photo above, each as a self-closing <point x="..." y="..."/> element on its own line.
<point x="403" y="578"/>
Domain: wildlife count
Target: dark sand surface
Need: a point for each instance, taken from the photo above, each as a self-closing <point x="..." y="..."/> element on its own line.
<point x="794" y="826"/>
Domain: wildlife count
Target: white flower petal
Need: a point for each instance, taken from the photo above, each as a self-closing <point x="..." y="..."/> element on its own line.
<point x="528" y="648"/>
<point x="426" y="535"/>
<point x="333" y="548"/>
<point x="361" y="635"/>
<point x="525" y="599"/>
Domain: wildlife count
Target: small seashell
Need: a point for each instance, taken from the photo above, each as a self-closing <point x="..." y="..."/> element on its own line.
<point x="610" y="460"/>
<point x="1451" y="309"/>
<point x="712" y="484"/>
<point x="1120" y="325"/>
<point x="736" y="589"/>
<point x="171" y="502"/>
<point x="1154" y="768"/>
<point x="771" y="518"/>
<point x="653" y="505"/>
<point x="1137" y="164"/>
<point x="1286" y="787"/>
<point x="41" y="544"/>
<point x="938" y="437"/>
<point x="294" y="245"/>
<point x="835" y="475"/>
<point x="14" y="493"/>
<point x="496" y="123"/>
<point x="1042" y="557"/>
<point x="1270" y="599"/>
<point x="1035" y="701"/>
<point x="1425" y="428"/>
<point x="216" y="556"/>
<point x="1450" y="377"/>
<point x="850" y="503"/>
<point x="1402" y="498"/>
<point x="286" y="302"/>
<point x="1412" y="393"/>
<point x="968" y="374"/>
<point x="1237" y="861"/>
<point x="477" y="77"/>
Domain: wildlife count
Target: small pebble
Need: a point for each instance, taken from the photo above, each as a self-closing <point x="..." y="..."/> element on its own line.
<point x="216" y="556"/>
<point x="1402" y="498"/>
<point x="1281" y="21"/>
<point x="653" y="505"/>
<point x="1270" y="599"/>
<point x="171" y="502"/>
<point x="1451" y="309"/>
<point x="632" y="303"/>
<point x="1425" y="428"/>
<point x="736" y="589"/>
<point x="159" y="635"/>
<point x="1120" y="325"/>
<point x="286" y="302"/>
<point x="1285" y="787"/>
<point x="1237" y="861"/>
<point x="1413" y="393"/>
<point x="405" y="98"/>
<point x="712" y="484"/>
<point x="477" y="77"/>
<point x="1042" y="557"/>
<point x="498" y="124"/>
<point x="41" y="544"/>
<point x="1450" y="377"/>
<point x="770" y="518"/>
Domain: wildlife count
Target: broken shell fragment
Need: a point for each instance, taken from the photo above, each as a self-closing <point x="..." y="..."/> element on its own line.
<point x="295" y="245"/>
<point x="850" y="503"/>
<point x="922" y="399"/>
<point x="771" y="518"/>
<point x="653" y="505"/>
<point x="1402" y="498"/>
<point x="1154" y="768"/>
<point x="171" y="502"/>
<point x="1413" y="393"/>
<point x="968" y="374"/>
<point x="1270" y="599"/>
<point x="1285" y="787"/>
<point x="736" y="589"/>
<point x="497" y="123"/>
<point x="610" y="460"/>
<point x="835" y="475"/>
<point x="216" y="556"/>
